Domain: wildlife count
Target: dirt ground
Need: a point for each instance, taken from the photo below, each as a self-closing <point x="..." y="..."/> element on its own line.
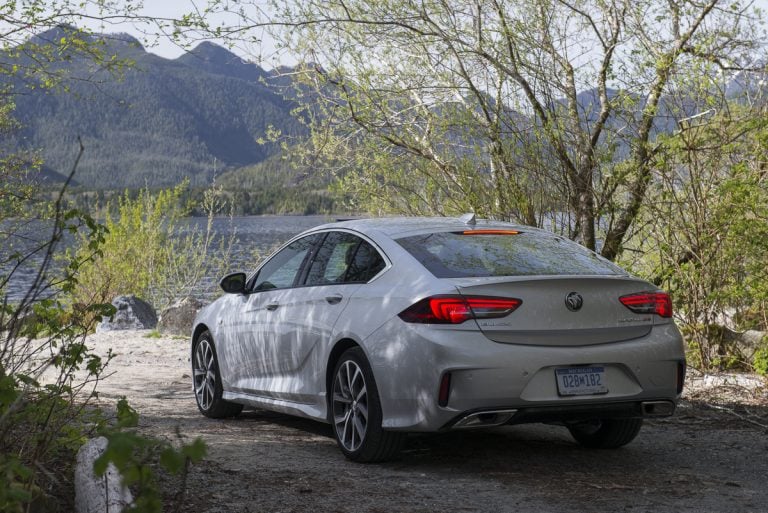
<point x="712" y="456"/>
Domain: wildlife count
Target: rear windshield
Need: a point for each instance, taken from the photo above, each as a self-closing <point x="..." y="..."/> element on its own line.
<point x="458" y="255"/>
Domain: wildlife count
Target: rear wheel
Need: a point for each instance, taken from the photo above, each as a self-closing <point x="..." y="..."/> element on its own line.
<point x="207" y="380"/>
<point x="606" y="433"/>
<point x="356" y="412"/>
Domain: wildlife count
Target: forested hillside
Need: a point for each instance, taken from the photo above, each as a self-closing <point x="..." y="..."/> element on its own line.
<point x="162" y="121"/>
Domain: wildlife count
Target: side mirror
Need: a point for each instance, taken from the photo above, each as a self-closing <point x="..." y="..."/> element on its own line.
<point x="233" y="283"/>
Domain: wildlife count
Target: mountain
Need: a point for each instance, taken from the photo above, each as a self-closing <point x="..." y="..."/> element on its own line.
<point x="162" y="121"/>
<point x="202" y="115"/>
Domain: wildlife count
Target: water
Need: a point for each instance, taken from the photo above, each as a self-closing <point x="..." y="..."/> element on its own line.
<point x="257" y="234"/>
<point x="253" y="235"/>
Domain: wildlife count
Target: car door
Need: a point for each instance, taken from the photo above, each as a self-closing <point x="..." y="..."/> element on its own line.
<point x="248" y="340"/>
<point x="305" y="316"/>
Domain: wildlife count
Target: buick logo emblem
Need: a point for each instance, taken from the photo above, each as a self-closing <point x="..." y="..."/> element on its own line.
<point x="574" y="301"/>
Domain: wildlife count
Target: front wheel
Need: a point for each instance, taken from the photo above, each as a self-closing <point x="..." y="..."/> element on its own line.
<point x="207" y="381"/>
<point x="606" y="433"/>
<point x="356" y="412"/>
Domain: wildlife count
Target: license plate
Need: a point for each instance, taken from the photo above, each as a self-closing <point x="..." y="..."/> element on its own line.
<point x="581" y="381"/>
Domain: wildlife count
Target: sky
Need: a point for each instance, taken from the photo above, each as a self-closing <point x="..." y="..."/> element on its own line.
<point x="263" y="53"/>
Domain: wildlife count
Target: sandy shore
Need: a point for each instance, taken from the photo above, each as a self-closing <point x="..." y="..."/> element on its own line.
<point x="148" y="371"/>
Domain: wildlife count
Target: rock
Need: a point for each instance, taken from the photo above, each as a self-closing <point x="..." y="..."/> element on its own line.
<point x="98" y="494"/>
<point x="132" y="314"/>
<point x="177" y="319"/>
<point x="748" y="342"/>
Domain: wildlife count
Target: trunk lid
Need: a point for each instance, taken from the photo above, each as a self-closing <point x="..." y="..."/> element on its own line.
<point x="561" y="310"/>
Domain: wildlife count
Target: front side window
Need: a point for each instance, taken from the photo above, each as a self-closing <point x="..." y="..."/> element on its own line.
<point x="507" y="253"/>
<point x="344" y="258"/>
<point x="281" y="270"/>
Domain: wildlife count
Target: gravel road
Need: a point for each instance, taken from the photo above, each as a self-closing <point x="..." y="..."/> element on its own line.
<point x="711" y="457"/>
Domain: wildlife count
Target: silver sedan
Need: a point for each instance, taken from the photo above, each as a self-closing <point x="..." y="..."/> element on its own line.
<point x="382" y="327"/>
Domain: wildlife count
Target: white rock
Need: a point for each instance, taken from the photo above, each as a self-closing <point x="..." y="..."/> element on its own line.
<point x="98" y="494"/>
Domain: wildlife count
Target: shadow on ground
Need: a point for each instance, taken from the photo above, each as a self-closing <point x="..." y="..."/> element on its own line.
<point x="703" y="459"/>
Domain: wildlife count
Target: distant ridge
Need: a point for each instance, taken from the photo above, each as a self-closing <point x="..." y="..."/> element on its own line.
<point x="217" y="60"/>
<point x="205" y="113"/>
<point x="165" y="120"/>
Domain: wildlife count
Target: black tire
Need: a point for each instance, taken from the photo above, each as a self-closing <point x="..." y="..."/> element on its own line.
<point x="206" y="380"/>
<point x="606" y="433"/>
<point x="355" y="412"/>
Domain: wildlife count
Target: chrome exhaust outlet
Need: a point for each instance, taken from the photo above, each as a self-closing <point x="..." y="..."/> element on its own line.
<point x="484" y="419"/>
<point x="658" y="408"/>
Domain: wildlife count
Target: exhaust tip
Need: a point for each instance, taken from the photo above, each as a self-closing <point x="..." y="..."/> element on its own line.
<point x="658" y="408"/>
<point x="482" y="419"/>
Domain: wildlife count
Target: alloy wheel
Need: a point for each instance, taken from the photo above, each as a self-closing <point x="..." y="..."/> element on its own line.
<point x="204" y="370"/>
<point x="350" y="405"/>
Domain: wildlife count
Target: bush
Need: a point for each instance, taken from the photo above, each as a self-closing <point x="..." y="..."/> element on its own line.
<point x="760" y="359"/>
<point x="48" y="375"/>
<point x="704" y="235"/>
<point x="150" y="252"/>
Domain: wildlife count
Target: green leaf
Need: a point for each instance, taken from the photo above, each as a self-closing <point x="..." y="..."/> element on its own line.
<point x="172" y="460"/>
<point x="8" y="392"/>
<point x="126" y="415"/>
<point x="27" y="380"/>
<point x="195" y="451"/>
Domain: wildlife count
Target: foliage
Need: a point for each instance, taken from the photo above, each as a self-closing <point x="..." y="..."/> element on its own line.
<point x="134" y="456"/>
<point x="48" y="375"/>
<point x="150" y="251"/>
<point x="36" y="39"/>
<point x="516" y="110"/>
<point x="16" y="168"/>
<point x="43" y="405"/>
<point x="760" y="360"/>
<point x="279" y="185"/>
<point x="705" y="232"/>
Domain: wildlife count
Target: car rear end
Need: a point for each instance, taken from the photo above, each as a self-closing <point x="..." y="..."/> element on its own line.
<point x="524" y="326"/>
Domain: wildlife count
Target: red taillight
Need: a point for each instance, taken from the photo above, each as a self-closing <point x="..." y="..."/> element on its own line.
<point x="457" y="309"/>
<point x="658" y="303"/>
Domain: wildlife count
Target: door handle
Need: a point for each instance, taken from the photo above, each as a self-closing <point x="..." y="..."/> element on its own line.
<point x="272" y="307"/>
<point x="334" y="299"/>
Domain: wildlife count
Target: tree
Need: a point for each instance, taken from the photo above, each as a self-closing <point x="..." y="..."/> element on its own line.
<point x="540" y="111"/>
<point x="706" y="231"/>
<point x="47" y="373"/>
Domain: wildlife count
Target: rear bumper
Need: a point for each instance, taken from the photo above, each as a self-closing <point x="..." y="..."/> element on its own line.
<point x="515" y="382"/>
<point x="562" y="414"/>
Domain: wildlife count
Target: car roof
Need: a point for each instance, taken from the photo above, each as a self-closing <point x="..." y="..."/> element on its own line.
<point x="397" y="227"/>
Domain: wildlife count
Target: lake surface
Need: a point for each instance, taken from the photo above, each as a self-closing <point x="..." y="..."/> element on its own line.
<point x="252" y="235"/>
<point x="257" y="234"/>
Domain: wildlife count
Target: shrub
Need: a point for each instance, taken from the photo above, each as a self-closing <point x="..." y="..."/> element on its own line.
<point x="150" y="251"/>
<point x="48" y="375"/>
<point x="48" y="379"/>
<point x="760" y="359"/>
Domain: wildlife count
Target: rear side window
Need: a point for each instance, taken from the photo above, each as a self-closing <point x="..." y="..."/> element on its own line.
<point x="330" y="264"/>
<point x="460" y="255"/>
<point x="344" y="258"/>
<point x="364" y="264"/>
